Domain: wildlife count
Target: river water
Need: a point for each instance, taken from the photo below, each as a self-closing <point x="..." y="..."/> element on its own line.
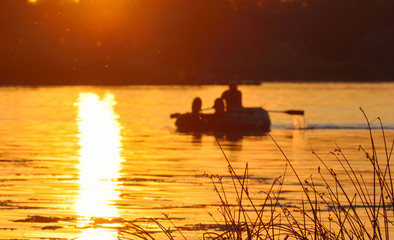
<point x="77" y="162"/>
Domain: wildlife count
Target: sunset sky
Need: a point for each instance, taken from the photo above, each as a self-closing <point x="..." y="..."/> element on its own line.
<point x="194" y="42"/>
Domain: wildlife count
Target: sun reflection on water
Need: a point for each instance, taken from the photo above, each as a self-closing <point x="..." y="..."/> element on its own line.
<point x="100" y="142"/>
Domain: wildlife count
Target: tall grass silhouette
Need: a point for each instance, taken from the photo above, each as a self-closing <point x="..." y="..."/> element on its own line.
<point x="332" y="207"/>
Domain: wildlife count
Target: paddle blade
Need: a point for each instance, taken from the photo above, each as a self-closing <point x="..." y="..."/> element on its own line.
<point x="174" y="115"/>
<point x="295" y="112"/>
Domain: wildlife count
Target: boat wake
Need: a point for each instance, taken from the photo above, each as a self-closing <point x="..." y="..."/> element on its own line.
<point x="329" y="126"/>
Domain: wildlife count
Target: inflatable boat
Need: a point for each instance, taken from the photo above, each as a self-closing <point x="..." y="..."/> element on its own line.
<point x="241" y="119"/>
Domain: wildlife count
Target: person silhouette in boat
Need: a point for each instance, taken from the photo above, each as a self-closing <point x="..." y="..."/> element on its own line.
<point x="196" y="106"/>
<point x="192" y="121"/>
<point x="232" y="97"/>
<point x="219" y="107"/>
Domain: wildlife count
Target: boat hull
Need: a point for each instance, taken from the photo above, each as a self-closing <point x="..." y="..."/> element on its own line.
<point x="243" y="119"/>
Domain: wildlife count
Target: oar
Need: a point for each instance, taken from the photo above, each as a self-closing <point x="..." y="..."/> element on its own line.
<point x="175" y="115"/>
<point x="291" y="112"/>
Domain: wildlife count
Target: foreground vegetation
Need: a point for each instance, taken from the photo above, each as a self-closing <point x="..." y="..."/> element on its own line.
<point x="328" y="209"/>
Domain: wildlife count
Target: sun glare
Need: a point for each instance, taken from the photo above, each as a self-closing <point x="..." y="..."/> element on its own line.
<point x="100" y="142"/>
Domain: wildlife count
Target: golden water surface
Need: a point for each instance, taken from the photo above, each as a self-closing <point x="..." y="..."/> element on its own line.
<point x="79" y="162"/>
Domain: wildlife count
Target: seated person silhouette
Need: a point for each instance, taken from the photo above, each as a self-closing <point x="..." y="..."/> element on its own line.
<point x="232" y="97"/>
<point x="192" y="121"/>
<point x="219" y="107"/>
<point x="196" y="106"/>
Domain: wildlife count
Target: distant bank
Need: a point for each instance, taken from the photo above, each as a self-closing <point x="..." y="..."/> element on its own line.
<point x="334" y="72"/>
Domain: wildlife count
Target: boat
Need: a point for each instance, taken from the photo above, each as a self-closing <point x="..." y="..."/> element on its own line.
<point x="237" y="120"/>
